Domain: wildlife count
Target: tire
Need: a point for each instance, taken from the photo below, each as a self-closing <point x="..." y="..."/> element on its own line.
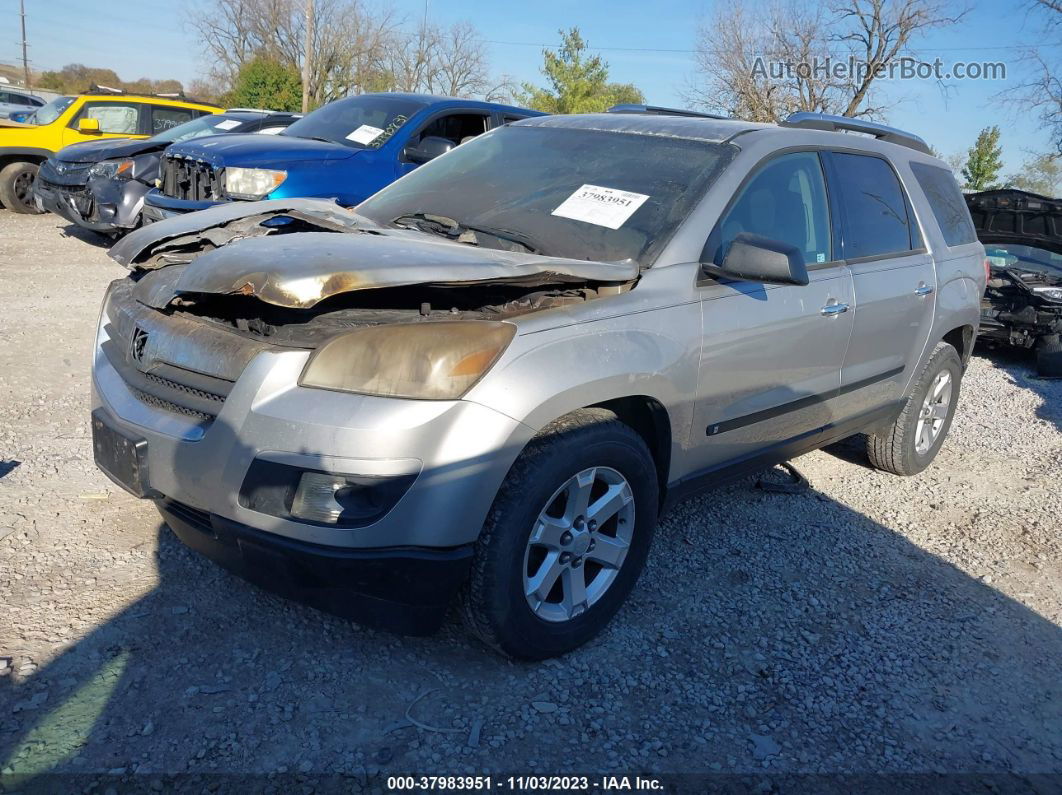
<point x="16" y="187"/>
<point x="1049" y="357"/>
<point x="899" y="449"/>
<point x="494" y="603"/>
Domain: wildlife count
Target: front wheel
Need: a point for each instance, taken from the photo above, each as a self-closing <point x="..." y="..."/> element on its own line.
<point x="911" y="443"/>
<point x="16" y="187"/>
<point x="566" y="538"/>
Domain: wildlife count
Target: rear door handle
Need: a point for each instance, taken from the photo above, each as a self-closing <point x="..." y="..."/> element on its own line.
<point x="923" y="289"/>
<point x="834" y="309"/>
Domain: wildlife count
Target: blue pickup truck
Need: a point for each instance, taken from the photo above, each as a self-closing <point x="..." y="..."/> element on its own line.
<point x="346" y="150"/>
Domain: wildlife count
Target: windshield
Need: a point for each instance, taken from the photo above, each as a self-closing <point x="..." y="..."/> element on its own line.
<point x="46" y="114"/>
<point x="365" y="122"/>
<point x="580" y="194"/>
<point x="215" y="124"/>
<point x="1029" y="258"/>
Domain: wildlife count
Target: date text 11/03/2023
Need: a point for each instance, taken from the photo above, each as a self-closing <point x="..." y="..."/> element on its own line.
<point x="532" y="783"/>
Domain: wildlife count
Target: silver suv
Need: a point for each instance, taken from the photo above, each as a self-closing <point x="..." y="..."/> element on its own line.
<point x="492" y="378"/>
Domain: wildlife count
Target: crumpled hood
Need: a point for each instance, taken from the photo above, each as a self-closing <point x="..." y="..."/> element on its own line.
<point x="335" y="251"/>
<point x="107" y="149"/>
<point x="251" y="149"/>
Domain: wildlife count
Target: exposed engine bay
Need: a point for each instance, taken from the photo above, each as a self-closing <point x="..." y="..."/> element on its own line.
<point x="296" y="272"/>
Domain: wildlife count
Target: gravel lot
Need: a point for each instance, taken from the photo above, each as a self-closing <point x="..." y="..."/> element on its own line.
<point x="870" y="624"/>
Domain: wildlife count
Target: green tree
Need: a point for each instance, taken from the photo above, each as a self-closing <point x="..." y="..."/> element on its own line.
<point x="264" y="82"/>
<point x="578" y="83"/>
<point x="983" y="163"/>
<point x="1040" y="174"/>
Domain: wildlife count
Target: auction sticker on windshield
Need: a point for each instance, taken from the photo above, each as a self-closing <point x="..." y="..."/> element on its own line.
<point x="228" y="124"/>
<point x="365" y="134"/>
<point x="601" y="206"/>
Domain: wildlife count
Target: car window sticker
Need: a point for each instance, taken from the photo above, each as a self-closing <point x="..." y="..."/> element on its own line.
<point x="365" y="134"/>
<point x="228" y="124"/>
<point x="594" y="204"/>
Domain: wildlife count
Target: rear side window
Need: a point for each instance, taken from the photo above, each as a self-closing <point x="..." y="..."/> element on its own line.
<point x="875" y="211"/>
<point x="946" y="202"/>
<point x="785" y="200"/>
<point x="163" y="119"/>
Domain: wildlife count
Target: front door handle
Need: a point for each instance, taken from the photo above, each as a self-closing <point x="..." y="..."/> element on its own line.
<point x="834" y="309"/>
<point x="923" y="289"/>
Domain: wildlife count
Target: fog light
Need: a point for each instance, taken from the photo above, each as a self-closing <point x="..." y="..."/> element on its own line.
<point x="320" y="497"/>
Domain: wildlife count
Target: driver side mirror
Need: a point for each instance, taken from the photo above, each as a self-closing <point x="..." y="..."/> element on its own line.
<point x="429" y="148"/>
<point x="761" y="259"/>
<point x="91" y="126"/>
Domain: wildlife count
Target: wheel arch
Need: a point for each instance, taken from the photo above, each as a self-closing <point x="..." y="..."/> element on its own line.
<point x="647" y="417"/>
<point x="961" y="338"/>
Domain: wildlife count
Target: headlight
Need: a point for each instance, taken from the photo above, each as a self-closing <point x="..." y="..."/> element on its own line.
<point x="252" y="183"/>
<point x="112" y="168"/>
<point x="428" y="361"/>
<point x="1049" y="293"/>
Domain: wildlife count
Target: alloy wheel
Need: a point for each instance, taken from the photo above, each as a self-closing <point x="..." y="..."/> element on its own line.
<point x="933" y="413"/>
<point x="578" y="544"/>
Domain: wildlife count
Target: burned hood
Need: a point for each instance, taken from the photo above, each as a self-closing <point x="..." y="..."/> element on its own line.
<point x="297" y="253"/>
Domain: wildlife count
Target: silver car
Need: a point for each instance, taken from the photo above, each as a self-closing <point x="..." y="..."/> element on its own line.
<point x="490" y="379"/>
<point x="12" y="101"/>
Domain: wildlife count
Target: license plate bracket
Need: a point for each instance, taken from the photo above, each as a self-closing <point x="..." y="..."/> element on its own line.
<point x="121" y="457"/>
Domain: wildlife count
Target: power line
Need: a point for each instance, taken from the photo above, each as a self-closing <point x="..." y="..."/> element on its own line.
<point x="688" y="51"/>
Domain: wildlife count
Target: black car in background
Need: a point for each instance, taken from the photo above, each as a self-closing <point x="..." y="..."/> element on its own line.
<point x="1022" y="305"/>
<point x="100" y="185"/>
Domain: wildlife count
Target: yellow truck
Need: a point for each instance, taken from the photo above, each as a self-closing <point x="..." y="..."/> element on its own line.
<point x="86" y="117"/>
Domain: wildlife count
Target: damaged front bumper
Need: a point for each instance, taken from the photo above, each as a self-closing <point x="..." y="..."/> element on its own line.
<point x="101" y="205"/>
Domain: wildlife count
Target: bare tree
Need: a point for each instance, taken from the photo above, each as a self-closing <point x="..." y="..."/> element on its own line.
<point x="350" y="41"/>
<point x="1041" y="90"/>
<point x="437" y="60"/>
<point x="763" y="62"/>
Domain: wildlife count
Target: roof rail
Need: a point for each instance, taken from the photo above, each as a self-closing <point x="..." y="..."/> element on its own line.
<point x="824" y="121"/>
<point x="657" y="110"/>
<point x="101" y="90"/>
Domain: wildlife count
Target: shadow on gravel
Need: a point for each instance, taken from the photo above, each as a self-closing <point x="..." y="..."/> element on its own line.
<point x="770" y="634"/>
<point x="97" y="239"/>
<point x="1020" y="366"/>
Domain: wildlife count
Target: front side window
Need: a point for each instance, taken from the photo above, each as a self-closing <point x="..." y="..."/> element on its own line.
<point x="456" y="127"/>
<point x="786" y="201"/>
<point x="121" y="118"/>
<point x="576" y="193"/>
<point x="946" y="202"/>
<point x="875" y="213"/>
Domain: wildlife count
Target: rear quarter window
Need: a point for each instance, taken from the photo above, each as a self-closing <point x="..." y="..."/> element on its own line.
<point x="946" y="202"/>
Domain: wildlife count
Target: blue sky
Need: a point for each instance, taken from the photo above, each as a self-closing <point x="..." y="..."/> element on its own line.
<point x="148" y="39"/>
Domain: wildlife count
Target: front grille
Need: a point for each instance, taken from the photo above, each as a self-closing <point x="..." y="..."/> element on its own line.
<point x="193" y="516"/>
<point x="77" y="195"/>
<point x="62" y="172"/>
<point x="165" y="386"/>
<point x="184" y="178"/>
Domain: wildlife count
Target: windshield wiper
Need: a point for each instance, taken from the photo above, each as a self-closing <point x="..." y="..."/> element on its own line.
<point x="464" y="233"/>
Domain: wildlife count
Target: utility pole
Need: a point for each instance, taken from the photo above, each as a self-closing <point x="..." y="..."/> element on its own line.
<point x="25" y="60"/>
<point x="306" y="56"/>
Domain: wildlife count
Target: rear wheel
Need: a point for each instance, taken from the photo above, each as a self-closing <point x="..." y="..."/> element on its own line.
<point x="911" y="443"/>
<point x="16" y="187"/>
<point x="566" y="538"/>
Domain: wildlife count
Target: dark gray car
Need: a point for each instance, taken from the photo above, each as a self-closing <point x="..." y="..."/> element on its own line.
<point x="100" y="185"/>
<point x="493" y="376"/>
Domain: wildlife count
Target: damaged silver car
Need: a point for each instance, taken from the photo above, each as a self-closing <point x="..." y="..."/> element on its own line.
<point x="490" y="379"/>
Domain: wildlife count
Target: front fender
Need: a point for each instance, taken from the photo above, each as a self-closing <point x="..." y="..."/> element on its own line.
<point x="547" y="374"/>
